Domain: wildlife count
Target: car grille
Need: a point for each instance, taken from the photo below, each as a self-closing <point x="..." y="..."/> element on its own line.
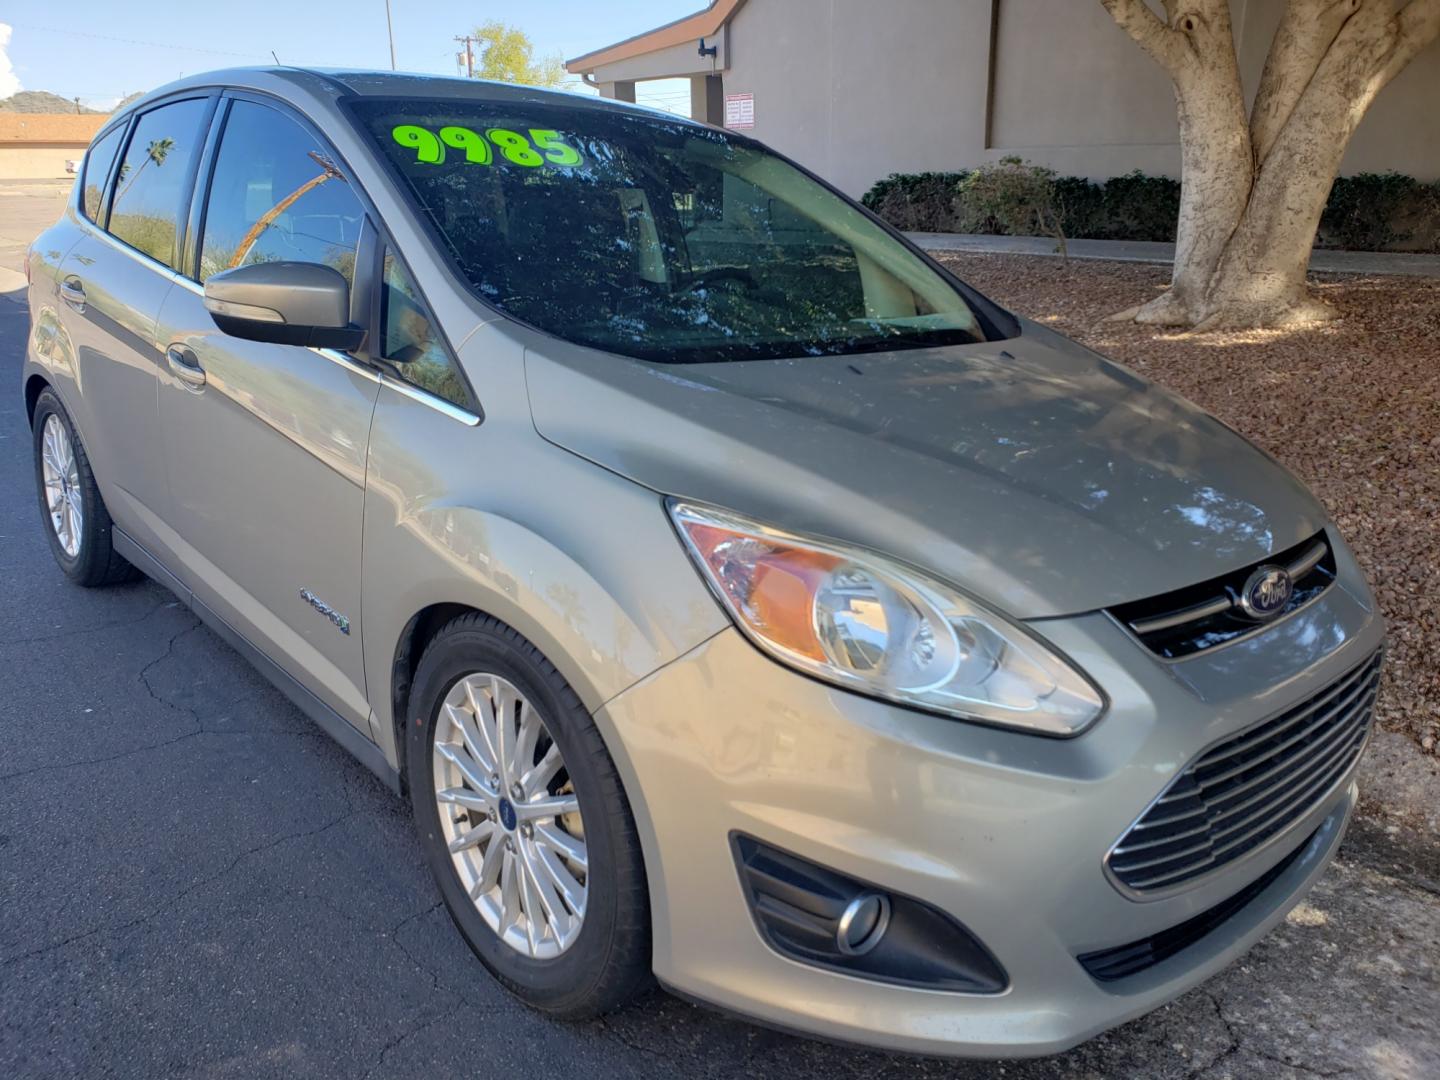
<point x="1247" y="790"/>
<point x="1123" y="961"/>
<point x="1199" y="617"/>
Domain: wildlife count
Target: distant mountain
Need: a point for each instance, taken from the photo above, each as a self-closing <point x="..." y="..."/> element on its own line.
<point x="40" y="101"/>
<point x="129" y="98"/>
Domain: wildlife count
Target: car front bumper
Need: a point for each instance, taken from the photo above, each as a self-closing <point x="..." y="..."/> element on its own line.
<point x="1005" y="832"/>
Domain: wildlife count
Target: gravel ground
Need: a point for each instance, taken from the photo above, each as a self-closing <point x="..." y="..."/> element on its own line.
<point x="1352" y="407"/>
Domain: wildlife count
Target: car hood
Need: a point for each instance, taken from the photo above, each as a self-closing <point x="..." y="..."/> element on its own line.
<point x="1030" y="472"/>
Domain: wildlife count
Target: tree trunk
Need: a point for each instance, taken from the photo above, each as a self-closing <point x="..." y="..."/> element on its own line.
<point x="1253" y="190"/>
<point x="1197" y="47"/>
<point x="1261" y="280"/>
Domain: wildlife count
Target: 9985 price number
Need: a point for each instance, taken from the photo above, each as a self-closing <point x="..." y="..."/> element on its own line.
<point x="542" y="147"/>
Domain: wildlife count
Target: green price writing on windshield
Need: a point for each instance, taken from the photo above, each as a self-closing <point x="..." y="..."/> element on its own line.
<point x="542" y="147"/>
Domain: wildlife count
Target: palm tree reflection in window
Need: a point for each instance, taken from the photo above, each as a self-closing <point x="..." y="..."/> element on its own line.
<point x="157" y="151"/>
<point x="328" y="171"/>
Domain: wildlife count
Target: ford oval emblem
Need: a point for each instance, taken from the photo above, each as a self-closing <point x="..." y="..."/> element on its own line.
<point x="1267" y="592"/>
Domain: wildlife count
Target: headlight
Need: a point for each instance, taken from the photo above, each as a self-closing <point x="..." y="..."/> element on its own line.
<point x="864" y="622"/>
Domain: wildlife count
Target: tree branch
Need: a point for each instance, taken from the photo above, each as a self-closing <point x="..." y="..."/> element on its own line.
<point x="1417" y="24"/>
<point x="1166" y="45"/>
<point x="1306" y="32"/>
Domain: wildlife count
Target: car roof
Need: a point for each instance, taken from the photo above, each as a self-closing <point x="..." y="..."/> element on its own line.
<point x="332" y="83"/>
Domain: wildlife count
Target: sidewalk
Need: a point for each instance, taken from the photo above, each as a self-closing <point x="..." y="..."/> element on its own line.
<point x="1321" y="261"/>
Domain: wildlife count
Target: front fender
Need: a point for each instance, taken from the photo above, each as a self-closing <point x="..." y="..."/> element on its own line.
<point x="580" y="561"/>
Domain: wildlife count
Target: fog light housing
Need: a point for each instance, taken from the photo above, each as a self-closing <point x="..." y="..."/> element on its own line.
<point x="826" y="919"/>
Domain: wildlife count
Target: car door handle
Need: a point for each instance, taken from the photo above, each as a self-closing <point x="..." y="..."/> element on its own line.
<point x="186" y="368"/>
<point x="73" y="293"/>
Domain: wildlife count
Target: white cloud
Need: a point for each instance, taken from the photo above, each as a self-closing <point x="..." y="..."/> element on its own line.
<point x="9" y="81"/>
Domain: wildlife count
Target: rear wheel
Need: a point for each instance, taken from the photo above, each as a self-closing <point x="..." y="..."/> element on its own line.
<point x="76" y="521"/>
<point x="524" y="822"/>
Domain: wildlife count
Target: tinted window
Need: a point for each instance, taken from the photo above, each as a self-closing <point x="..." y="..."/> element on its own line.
<point x="657" y="238"/>
<point x="411" y="339"/>
<point x="154" y="173"/>
<point x="98" y="160"/>
<point x="276" y="195"/>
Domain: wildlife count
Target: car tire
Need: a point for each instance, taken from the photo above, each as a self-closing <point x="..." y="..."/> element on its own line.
<point x="606" y="962"/>
<point x="62" y="470"/>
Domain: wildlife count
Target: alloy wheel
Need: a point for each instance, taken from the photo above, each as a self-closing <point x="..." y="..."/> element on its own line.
<point x="509" y="816"/>
<point x="61" y="473"/>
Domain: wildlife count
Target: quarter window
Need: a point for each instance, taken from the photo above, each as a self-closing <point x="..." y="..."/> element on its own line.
<point x="411" y="340"/>
<point x="98" y="160"/>
<point x="277" y="194"/>
<point x="150" y="184"/>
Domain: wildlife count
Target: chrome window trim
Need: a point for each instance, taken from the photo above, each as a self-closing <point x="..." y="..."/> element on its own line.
<point x="349" y="363"/>
<point x="424" y="397"/>
<point x="148" y="261"/>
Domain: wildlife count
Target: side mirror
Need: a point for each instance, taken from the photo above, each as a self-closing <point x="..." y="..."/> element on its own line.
<point x="286" y="303"/>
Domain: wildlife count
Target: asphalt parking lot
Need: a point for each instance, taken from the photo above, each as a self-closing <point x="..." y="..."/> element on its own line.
<point x="195" y="881"/>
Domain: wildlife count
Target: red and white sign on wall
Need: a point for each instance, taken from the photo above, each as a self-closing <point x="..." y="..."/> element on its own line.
<point x="739" y="110"/>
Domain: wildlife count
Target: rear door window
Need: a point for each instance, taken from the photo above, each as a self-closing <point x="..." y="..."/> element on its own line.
<point x="154" y="178"/>
<point x="276" y="195"/>
<point x="98" y="160"/>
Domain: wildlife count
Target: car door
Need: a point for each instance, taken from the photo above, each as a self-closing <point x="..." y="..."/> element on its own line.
<point x="111" y="286"/>
<point x="265" y="444"/>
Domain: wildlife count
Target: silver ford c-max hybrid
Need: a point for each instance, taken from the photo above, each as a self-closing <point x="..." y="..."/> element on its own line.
<point x="737" y="596"/>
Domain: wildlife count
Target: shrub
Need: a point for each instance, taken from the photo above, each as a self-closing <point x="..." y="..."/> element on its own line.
<point x="921" y="202"/>
<point x="1140" y="207"/>
<point x="1368" y="212"/>
<point x="1010" y="196"/>
<point x="1382" y="212"/>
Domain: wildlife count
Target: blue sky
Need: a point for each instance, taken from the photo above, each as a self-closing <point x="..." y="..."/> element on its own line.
<point x="75" y="48"/>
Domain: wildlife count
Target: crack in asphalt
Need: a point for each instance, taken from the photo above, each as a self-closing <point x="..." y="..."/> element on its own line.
<point x="628" y="1041"/>
<point x="99" y="628"/>
<point x="435" y="980"/>
<point x="303" y="732"/>
<point x="1230" y="1033"/>
<point x="405" y="1035"/>
<point x="1238" y="1043"/>
<point x="173" y="900"/>
<point x="148" y="747"/>
<point x="144" y="676"/>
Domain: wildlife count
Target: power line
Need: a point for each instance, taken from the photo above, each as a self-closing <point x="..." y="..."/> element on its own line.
<point x="132" y="41"/>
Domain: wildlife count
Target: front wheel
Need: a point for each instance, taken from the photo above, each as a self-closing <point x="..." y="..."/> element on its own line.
<point x="76" y="521"/>
<point x="524" y="822"/>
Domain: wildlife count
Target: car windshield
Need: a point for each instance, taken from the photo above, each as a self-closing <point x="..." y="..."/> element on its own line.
<point x="656" y="238"/>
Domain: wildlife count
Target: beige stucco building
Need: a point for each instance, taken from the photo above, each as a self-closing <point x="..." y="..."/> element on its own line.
<point x="41" y="145"/>
<point x="858" y="89"/>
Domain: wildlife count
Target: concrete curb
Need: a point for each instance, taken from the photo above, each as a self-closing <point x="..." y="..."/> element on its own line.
<point x="1380" y="263"/>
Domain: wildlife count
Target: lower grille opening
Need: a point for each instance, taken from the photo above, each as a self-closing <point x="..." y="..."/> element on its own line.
<point x="1107" y="965"/>
<point x="826" y="919"/>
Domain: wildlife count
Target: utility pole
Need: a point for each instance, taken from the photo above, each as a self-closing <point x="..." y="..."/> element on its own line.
<point x="467" y="41"/>
<point x="390" y="30"/>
